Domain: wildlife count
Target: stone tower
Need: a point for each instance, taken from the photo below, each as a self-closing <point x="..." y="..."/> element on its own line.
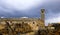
<point x="43" y="15"/>
<point x="42" y="20"/>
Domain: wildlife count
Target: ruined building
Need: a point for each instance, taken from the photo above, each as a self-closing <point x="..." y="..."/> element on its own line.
<point x="22" y="25"/>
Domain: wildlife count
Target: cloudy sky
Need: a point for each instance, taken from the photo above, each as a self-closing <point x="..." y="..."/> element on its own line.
<point x="31" y="8"/>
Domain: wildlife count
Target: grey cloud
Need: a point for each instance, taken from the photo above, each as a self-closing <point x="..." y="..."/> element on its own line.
<point x="52" y="9"/>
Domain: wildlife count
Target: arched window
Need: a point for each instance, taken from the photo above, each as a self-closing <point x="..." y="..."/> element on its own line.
<point x="33" y="22"/>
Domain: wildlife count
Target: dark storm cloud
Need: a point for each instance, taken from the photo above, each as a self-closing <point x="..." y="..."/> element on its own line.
<point x="51" y="6"/>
